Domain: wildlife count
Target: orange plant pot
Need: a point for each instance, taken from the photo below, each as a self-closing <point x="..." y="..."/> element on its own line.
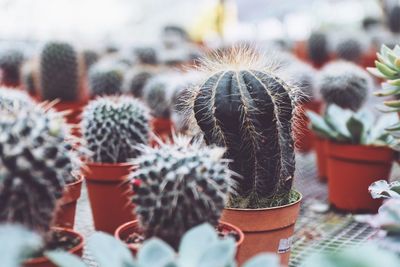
<point x="110" y="195"/>
<point x="351" y="170"/>
<point x="265" y="230"/>
<point x="303" y="136"/>
<point x="321" y="157"/>
<point x="162" y="128"/>
<point x="44" y="262"/>
<point x="125" y="230"/>
<point x="65" y="216"/>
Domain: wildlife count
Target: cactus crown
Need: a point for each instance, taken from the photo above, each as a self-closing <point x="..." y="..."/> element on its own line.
<point x="90" y="57"/>
<point x="105" y="79"/>
<point x="10" y="62"/>
<point x="349" y="49"/>
<point x="13" y="100"/>
<point x="136" y="79"/>
<point x="113" y="127"/>
<point x="245" y="107"/>
<point x="344" y="84"/>
<point x="303" y="75"/>
<point x="181" y="185"/>
<point x="146" y="55"/>
<point x="59" y="72"/>
<point x="318" y="48"/>
<point x="35" y="162"/>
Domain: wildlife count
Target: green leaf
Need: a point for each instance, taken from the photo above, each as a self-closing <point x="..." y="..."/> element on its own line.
<point x="155" y="253"/>
<point x="388" y="90"/>
<point x="108" y="251"/>
<point x="356" y="129"/>
<point x="221" y="254"/>
<point x="395" y="82"/>
<point x="393" y="127"/>
<point x="336" y="118"/>
<point x="396" y="50"/>
<point x="392" y="103"/>
<point x="385" y="70"/>
<point x="64" y="259"/>
<point x="376" y="72"/>
<point x="319" y="126"/>
<point x="264" y="259"/>
<point x="386" y="109"/>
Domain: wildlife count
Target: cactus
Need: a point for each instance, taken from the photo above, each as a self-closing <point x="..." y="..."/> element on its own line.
<point x="90" y="57"/>
<point x="136" y="79"/>
<point x="349" y="49"/>
<point x="393" y="20"/>
<point x="344" y="84"/>
<point x="180" y="186"/>
<point x="105" y="79"/>
<point x="35" y="163"/>
<point x="10" y="63"/>
<point x="13" y="100"/>
<point x="59" y="72"/>
<point x="303" y="75"/>
<point x="146" y="55"/>
<point x="113" y="127"/>
<point x="28" y="78"/>
<point x="246" y="107"/>
<point x="317" y="48"/>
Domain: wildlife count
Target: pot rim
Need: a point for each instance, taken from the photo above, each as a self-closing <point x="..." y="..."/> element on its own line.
<point x="127" y="225"/>
<point x="80" y="180"/>
<point x="270" y="208"/>
<point x="100" y="164"/>
<point x="331" y="142"/>
<point x="78" y="247"/>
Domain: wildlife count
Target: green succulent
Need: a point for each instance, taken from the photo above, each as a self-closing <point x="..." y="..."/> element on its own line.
<point x="383" y="189"/>
<point x="347" y="126"/>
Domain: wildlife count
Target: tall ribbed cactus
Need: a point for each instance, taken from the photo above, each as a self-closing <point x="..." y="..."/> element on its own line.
<point x="35" y="163"/>
<point x="317" y="48"/>
<point x="59" y="72"/>
<point x="181" y="185"/>
<point x="245" y="107"/>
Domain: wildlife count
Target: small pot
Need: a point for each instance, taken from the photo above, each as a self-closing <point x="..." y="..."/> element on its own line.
<point x="65" y="216"/>
<point x="303" y="136"/>
<point x="321" y="157"/>
<point x="162" y="128"/>
<point x="351" y="170"/>
<point x="265" y="230"/>
<point x="110" y="195"/>
<point x="44" y="262"/>
<point x="131" y="227"/>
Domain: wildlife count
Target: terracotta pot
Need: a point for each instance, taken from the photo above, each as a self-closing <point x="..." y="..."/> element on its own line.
<point x="265" y="230"/>
<point x="44" y="262"/>
<point x="131" y="227"/>
<point x="110" y="195"/>
<point x="321" y="157"/>
<point x="74" y="109"/>
<point x="304" y="137"/>
<point x="162" y="128"/>
<point x="351" y="170"/>
<point x="65" y="216"/>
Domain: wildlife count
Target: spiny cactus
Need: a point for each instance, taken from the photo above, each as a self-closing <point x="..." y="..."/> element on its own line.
<point x="317" y="47"/>
<point x="13" y="100"/>
<point x="181" y="185"/>
<point x="113" y="127"/>
<point x="146" y="55"/>
<point x="393" y="19"/>
<point x="245" y="107"/>
<point x="344" y="84"/>
<point x="349" y="49"/>
<point x="90" y="57"/>
<point x="35" y="163"/>
<point x="10" y="63"/>
<point x="28" y="78"/>
<point x="303" y="75"/>
<point x="59" y="72"/>
<point x="136" y="79"/>
<point x="105" y="79"/>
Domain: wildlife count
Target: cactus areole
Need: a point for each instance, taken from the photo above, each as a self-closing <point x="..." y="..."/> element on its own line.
<point x="251" y="112"/>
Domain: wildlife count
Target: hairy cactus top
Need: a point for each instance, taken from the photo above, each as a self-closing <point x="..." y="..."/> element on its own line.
<point x="146" y="55"/>
<point x="303" y="75"/>
<point x="181" y="185"/>
<point x="113" y="127"/>
<point x="317" y="48"/>
<point x="10" y="63"/>
<point x="344" y="84"/>
<point x="245" y="107"/>
<point x="105" y="79"/>
<point x="59" y="72"/>
<point x="36" y="160"/>
<point x="349" y="49"/>
<point x="13" y="100"/>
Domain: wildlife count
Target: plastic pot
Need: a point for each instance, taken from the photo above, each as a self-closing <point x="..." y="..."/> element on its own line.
<point x="44" y="262"/>
<point x="304" y="138"/>
<point x="65" y="216"/>
<point x="110" y="195"/>
<point x="321" y="157"/>
<point x="351" y="170"/>
<point x="265" y="230"/>
<point x="125" y="230"/>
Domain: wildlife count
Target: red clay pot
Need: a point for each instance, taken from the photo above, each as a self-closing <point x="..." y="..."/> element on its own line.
<point x="351" y="170"/>
<point x="110" y="195"/>
<point x="265" y="230"/>
<point x="44" y="262"/>
<point x="321" y="157"/>
<point x="162" y="128"/>
<point x="65" y="216"/>
<point x="304" y="137"/>
<point x="131" y="227"/>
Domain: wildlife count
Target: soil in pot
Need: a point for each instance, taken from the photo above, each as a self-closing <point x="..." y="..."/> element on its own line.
<point x="60" y="239"/>
<point x="351" y="170"/>
<point x="265" y="230"/>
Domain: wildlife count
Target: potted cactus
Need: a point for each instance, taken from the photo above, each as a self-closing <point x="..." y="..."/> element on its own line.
<point x="60" y="77"/>
<point x="178" y="186"/>
<point x="358" y="152"/>
<point x="245" y="107"/>
<point x="10" y="63"/>
<point x="318" y="49"/>
<point x="345" y="85"/>
<point x="136" y="79"/>
<point x="105" y="78"/>
<point x="112" y="128"/>
<point x="35" y="158"/>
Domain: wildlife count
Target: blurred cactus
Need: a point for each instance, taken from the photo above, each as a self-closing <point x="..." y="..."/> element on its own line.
<point x="317" y="48"/>
<point x="10" y="63"/>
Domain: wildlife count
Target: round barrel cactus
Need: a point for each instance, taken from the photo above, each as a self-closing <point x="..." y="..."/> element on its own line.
<point x="317" y="48"/>
<point x="349" y="49"/>
<point x="136" y="79"/>
<point x="10" y="63"/>
<point x="105" y="79"/>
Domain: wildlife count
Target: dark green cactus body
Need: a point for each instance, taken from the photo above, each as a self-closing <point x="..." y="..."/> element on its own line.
<point x="349" y="49"/>
<point x="90" y="57"/>
<point x="105" y="80"/>
<point x="10" y="63"/>
<point x="393" y="19"/>
<point x="59" y="72"/>
<point x="318" y="48"/>
<point x="146" y="55"/>
<point x="250" y="113"/>
<point x="136" y="79"/>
